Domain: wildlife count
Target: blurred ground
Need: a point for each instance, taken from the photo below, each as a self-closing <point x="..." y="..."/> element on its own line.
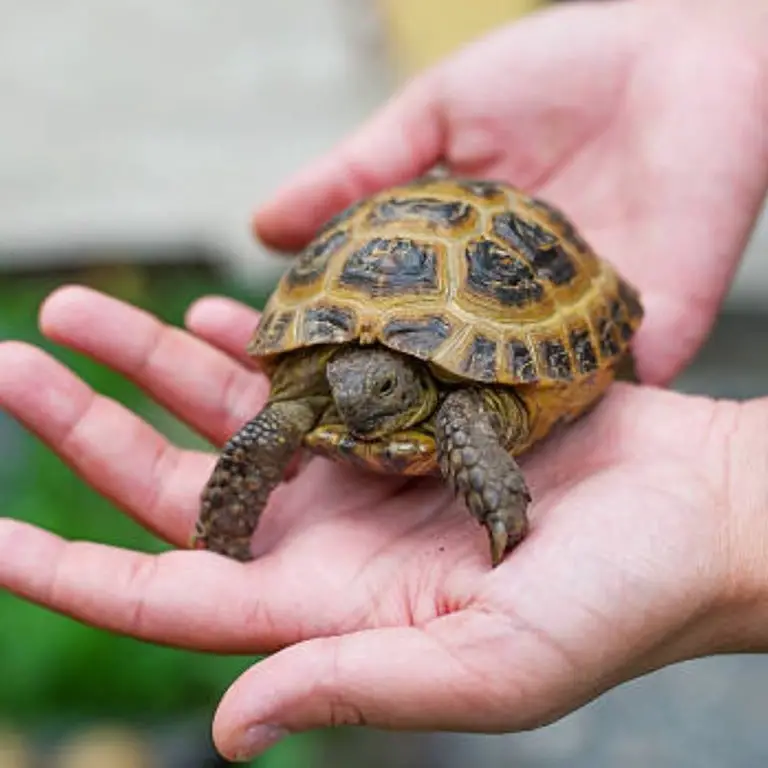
<point x="142" y="123"/>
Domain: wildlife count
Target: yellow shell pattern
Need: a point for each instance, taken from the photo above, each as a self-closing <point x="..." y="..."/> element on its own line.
<point x="475" y="277"/>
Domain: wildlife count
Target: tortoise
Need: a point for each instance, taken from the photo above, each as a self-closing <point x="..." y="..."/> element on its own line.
<point x="439" y="327"/>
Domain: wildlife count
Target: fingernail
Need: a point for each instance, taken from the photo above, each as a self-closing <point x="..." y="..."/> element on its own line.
<point x="258" y="739"/>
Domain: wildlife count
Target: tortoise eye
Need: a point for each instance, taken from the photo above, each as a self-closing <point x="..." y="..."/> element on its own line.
<point x="386" y="386"/>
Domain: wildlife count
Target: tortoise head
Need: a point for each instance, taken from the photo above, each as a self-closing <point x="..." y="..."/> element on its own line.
<point x="378" y="391"/>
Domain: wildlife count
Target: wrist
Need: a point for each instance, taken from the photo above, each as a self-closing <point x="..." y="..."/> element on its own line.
<point x="741" y="613"/>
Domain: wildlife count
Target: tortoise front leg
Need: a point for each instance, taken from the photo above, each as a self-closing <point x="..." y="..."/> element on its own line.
<point x="250" y="466"/>
<point x="473" y="429"/>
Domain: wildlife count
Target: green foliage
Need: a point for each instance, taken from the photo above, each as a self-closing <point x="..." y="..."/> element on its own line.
<point x="51" y="665"/>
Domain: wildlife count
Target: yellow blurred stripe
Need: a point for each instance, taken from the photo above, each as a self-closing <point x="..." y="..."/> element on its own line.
<point x="423" y="31"/>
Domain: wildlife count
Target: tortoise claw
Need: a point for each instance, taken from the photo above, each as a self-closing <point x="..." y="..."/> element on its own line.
<point x="505" y="535"/>
<point x="499" y="541"/>
<point x="196" y="539"/>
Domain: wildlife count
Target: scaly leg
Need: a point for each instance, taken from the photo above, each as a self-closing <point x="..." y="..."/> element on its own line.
<point x="250" y="467"/>
<point x="473" y="429"/>
<point x="252" y="464"/>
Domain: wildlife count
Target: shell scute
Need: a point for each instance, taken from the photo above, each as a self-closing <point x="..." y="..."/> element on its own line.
<point x="386" y="267"/>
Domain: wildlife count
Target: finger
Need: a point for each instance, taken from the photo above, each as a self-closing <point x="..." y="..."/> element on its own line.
<point x="202" y="386"/>
<point x="113" y="450"/>
<point x="186" y="599"/>
<point x="229" y="325"/>
<point x="400" y="678"/>
<point x="402" y="140"/>
<point x="225" y="324"/>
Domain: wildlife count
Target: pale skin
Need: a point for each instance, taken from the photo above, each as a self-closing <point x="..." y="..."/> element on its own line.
<point x="649" y="527"/>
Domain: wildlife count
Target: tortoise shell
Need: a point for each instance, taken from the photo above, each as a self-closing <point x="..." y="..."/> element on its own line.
<point x="478" y="279"/>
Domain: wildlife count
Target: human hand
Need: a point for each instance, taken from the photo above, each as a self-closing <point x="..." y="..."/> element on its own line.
<point x="644" y="121"/>
<point x="646" y="545"/>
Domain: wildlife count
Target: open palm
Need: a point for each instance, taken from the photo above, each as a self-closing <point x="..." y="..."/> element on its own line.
<point x="379" y="587"/>
<point x="376" y="592"/>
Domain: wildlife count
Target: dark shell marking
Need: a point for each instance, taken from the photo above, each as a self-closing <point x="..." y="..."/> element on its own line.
<point x="541" y="248"/>
<point x="620" y="319"/>
<point x="608" y="337"/>
<point x="311" y="262"/>
<point x="480" y="361"/>
<point x="630" y="300"/>
<point x="340" y="218"/>
<point x="560" y="221"/>
<point x="419" y="337"/>
<point x="384" y="267"/>
<point x="273" y="327"/>
<point x="583" y="351"/>
<point x="495" y="272"/>
<point x="441" y="213"/>
<point x="520" y="361"/>
<point x="554" y="265"/>
<point x="554" y="357"/>
<point x="526" y="237"/>
<point x="326" y="325"/>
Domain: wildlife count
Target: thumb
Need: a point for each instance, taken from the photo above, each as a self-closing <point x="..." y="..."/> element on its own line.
<point x="401" y="141"/>
<point x="443" y="676"/>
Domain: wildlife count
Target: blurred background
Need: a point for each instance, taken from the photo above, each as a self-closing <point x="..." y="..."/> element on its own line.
<point x="136" y="138"/>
